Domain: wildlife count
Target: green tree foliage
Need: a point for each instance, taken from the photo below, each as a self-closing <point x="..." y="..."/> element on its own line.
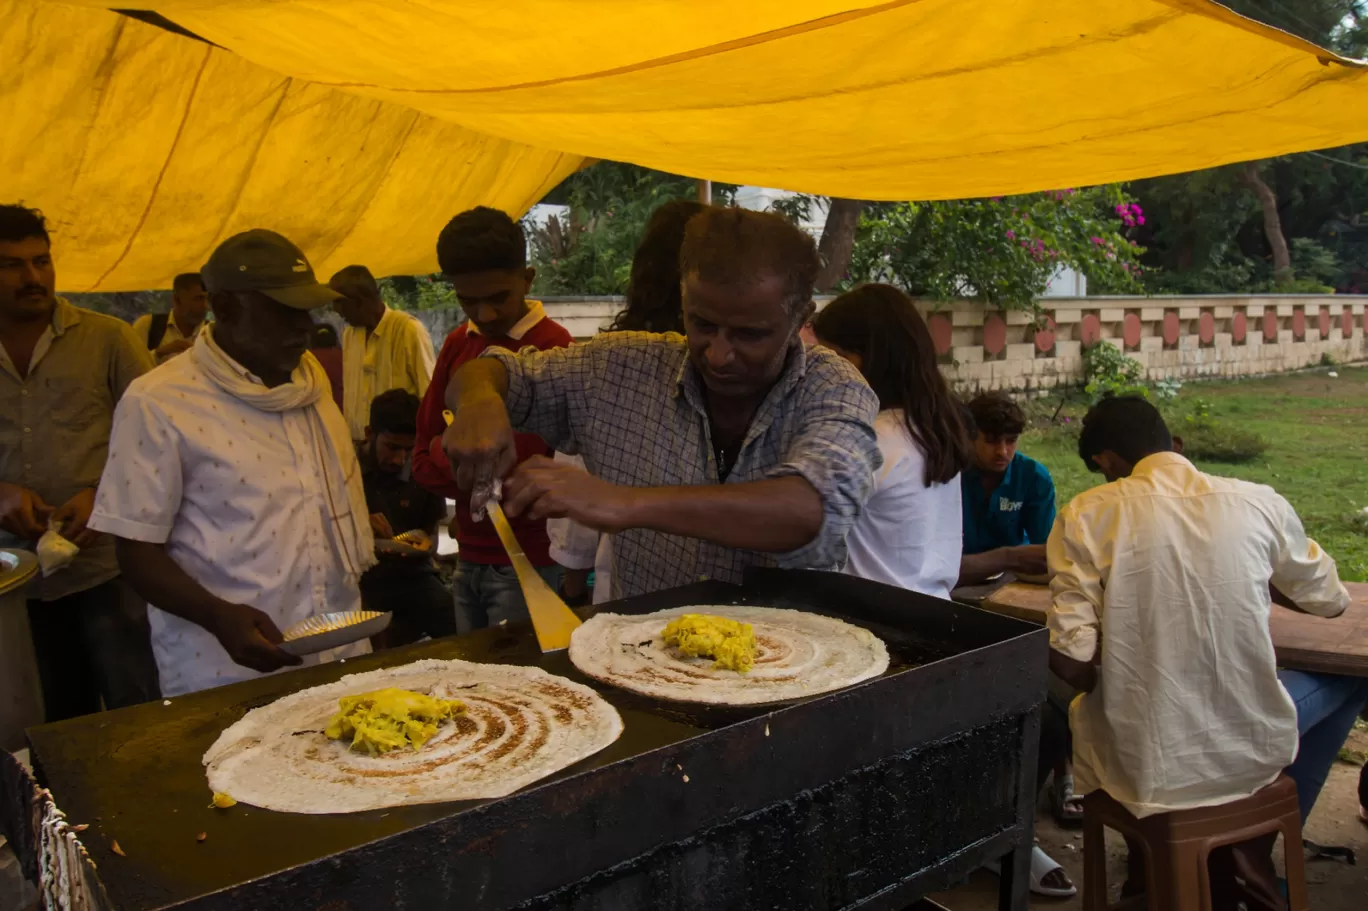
<point x="1205" y="231"/>
<point x="1001" y="250"/>
<point x="417" y="292"/>
<point x="590" y="252"/>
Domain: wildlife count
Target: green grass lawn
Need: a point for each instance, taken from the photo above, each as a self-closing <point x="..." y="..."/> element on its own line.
<point x="1316" y="427"/>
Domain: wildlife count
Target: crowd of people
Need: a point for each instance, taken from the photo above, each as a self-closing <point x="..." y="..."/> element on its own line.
<point x="227" y="468"/>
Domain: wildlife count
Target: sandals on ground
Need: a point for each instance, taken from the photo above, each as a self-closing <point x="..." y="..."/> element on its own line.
<point x="1042" y="865"/>
<point x="1067" y="806"/>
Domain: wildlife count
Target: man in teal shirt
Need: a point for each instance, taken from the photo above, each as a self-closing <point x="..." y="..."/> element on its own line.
<point x="1008" y="498"/>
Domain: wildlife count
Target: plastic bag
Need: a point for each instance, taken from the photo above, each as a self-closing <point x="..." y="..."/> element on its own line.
<point x="54" y="551"/>
<point x="482" y="495"/>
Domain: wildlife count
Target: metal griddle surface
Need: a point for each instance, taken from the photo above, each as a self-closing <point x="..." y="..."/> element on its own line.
<point x="135" y="775"/>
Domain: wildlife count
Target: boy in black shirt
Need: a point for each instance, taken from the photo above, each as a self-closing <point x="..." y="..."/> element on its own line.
<point x="406" y="585"/>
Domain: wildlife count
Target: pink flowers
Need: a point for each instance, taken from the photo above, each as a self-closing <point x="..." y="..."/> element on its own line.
<point x="1130" y="214"/>
<point x="1011" y="235"/>
<point x="1097" y="240"/>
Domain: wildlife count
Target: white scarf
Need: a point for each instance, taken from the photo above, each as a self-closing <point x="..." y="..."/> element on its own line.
<point x="332" y="449"/>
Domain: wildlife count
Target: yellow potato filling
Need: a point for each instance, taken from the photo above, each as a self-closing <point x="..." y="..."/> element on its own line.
<point x="730" y="643"/>
<point x="390" y="719"/>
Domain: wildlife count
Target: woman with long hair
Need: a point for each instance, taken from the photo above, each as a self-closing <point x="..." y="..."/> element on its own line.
<point x="654" y="302"/>
<point x="910" y="534"/>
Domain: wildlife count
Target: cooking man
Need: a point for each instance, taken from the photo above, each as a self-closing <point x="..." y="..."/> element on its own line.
<point x="62" y="369"/>
<point x="232" y="485"/>
<point x="727" y="448"/>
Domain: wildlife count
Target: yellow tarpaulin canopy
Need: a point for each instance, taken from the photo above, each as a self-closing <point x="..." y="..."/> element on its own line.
<point x="358" y="127"/>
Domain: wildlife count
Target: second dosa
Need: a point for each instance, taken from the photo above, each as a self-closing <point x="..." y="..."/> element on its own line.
<point x="797" y="654"/>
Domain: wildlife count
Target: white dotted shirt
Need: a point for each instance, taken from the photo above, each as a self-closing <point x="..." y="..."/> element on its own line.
<point x="234" y="494"/>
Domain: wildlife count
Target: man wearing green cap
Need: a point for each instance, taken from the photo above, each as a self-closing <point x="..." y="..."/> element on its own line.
<point x="232" y="486"/>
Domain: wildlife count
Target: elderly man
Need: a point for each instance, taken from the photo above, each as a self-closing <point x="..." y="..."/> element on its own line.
<point x="382" y="349"/>
<point x="232" y="485"/>
<point x="168" y="334"/>
<point x="62" y="370"/>
<point x="729" y="447"/>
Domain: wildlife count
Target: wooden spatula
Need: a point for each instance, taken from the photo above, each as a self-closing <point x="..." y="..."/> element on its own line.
<point x="551" y="618"/>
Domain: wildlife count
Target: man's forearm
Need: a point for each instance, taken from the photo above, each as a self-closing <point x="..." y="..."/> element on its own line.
<point x="162" y="583"/>
<point x="772" y="516"/>
<point x="483" y="377"/>
<point x="976" y="568"/>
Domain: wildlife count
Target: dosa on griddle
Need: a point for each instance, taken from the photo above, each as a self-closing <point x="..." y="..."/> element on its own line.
<point x="797" y="654"/>
<point x="520" y="724"/>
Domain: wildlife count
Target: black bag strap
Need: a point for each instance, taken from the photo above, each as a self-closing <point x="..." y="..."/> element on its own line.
<point x="157" y="331"/>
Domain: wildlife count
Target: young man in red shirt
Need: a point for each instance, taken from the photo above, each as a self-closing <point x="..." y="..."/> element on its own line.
<point x="483" y="253"/>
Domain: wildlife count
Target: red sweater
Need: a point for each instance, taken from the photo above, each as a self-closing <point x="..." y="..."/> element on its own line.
<point x="477" y="541"/>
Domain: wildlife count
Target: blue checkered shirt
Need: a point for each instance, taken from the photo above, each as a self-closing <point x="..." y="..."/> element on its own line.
<point x="631" y="403"/>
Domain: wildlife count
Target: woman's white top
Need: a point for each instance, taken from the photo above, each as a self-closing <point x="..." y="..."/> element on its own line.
<point x="910" y="535"/>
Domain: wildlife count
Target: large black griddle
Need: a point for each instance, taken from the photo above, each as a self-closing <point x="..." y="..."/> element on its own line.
<point x="869" y="797"/>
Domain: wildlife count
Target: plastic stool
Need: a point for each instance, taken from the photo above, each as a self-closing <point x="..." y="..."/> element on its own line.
<point x="1178" y="845"/>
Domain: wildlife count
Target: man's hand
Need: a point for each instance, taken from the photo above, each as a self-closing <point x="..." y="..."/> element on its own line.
<point x="380" y="526"/>
<point x="250" y="638"/>
<point x="22" y="512"/>
<point x="72" y="517"/>
<point x="1028" y="559"/>
<point x="545" y="489"/>
<point x="173" y="347"/>
<point x="479" y="443"/>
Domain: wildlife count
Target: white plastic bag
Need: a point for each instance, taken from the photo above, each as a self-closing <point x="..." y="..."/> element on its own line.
<point x="484" y="494"/>
<point x="54" y="551"/>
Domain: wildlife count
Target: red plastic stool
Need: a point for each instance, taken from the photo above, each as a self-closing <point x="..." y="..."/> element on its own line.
<point x="1178" y="846"/>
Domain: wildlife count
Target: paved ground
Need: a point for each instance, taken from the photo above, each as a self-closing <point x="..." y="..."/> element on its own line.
<point x="1333" y="885"/>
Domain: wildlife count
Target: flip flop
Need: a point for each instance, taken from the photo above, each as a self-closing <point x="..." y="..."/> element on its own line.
<point x="1067" y="806"/>
<point x="1042" y="865"/>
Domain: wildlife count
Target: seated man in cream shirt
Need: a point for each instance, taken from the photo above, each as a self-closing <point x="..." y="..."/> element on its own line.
<point x="1161" y="602"/>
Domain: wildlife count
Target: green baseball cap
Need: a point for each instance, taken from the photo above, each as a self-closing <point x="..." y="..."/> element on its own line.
<point x="264" y="261"/>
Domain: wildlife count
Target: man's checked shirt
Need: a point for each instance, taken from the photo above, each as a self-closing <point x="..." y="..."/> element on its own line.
<point x="632" y="405"/>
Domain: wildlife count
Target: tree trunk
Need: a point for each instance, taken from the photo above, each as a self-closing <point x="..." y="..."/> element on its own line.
<point x="1272" y="223"/>
<point x="838" y="241"/>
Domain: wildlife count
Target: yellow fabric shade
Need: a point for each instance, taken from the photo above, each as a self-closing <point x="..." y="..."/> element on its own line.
<point x="911" y="99"/>
<point x="145" y="149"/>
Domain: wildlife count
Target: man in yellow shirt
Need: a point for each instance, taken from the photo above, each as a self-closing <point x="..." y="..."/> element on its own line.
<point x="382" y="349"/>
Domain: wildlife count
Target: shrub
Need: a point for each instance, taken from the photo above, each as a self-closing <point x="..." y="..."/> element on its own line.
<point x="1108" y="371"/>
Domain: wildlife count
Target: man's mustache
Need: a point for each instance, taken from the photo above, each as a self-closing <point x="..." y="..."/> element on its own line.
<point x="26" y="290"/>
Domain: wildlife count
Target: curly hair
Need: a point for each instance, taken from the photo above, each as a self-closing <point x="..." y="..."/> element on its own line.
<point x="395" y="411"/>
<point x="995" y="415"/>
<point x="481" y="240"/>
<point x="18" y="222"/>
<point x="653" y="296"/>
